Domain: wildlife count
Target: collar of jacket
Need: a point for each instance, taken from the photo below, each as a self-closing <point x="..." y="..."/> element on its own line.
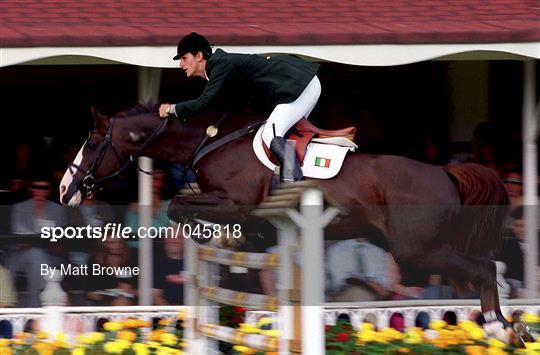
<point x="214" y="58"/>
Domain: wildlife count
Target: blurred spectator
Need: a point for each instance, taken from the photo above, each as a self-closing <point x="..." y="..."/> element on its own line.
<point x="483" y="149"/>
<point x="511" y="253"/>
<point x="22" y="163"/>
<point x="400" y="291"/>
<point x="26" y="262"/>
<point x="415" y="284"/>
<point x="18" y="189"/>
<point x="8" y="297"/>
<point x="113" y="290"/>
<point x="513" y="181"/>
<point x="358" y="271"/>
<point x="29" y="216"/>
<point x="168" y="267"/>
<point x="432" y="153"/>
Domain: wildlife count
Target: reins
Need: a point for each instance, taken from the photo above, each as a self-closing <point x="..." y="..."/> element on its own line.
<point x="89" y="182"/>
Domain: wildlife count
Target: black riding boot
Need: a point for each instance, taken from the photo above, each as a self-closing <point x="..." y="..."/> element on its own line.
<point x="290" y="169"/>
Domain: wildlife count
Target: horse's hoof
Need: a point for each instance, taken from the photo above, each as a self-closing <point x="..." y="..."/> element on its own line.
<point x="523" y="334"/>
<point x="514" y="339"/>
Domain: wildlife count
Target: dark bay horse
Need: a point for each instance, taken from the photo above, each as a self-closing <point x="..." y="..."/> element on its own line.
<point x="445" y="220"/>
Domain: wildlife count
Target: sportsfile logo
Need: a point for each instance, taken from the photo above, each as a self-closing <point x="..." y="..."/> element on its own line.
<point x="114" y="230"/>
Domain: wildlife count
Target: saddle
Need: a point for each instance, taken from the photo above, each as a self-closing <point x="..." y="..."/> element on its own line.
<point x="304" y="132"/>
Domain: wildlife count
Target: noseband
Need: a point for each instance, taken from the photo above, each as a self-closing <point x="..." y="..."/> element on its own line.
<point x="89" y="184"/>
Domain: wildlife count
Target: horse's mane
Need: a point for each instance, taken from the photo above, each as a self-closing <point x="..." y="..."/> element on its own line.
<point x="139" y="109"/>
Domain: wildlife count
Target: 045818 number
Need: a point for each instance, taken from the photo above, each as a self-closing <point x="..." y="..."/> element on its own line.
<point x="212" y="231"/>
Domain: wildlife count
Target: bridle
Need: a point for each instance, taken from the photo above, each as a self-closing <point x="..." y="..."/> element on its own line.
<point x="89" y="184"/>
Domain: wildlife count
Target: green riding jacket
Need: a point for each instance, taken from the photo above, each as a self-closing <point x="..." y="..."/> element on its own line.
<point x="266" y="81"/>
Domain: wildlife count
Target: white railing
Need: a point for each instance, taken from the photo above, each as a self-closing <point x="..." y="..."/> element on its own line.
<point x="83" y="319"/>
<point x="76" y="320"/>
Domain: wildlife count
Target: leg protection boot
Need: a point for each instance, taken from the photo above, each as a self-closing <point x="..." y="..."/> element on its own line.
<point x="290" y="169"/>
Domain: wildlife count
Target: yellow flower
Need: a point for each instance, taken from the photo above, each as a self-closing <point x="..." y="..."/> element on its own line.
<point x="413" y="337"/>
<point x="244" y="349"/>
<point x="60" y="341"/>
<point x="248" y="328"/>
<point x="164" y="350"/>
<point x="130" y="323"/>
<point x="476" y="333"/>
<point x="78" y="351"/>
<point x="533" y="346"/>
<point x="367" y="326"/>
<point x="153" y="344"/>
<point x="366" y="336"/>
<point x="264" y="321"/>
<point x="4" y="342"/>
<point x="438" y="324"/>
<point x="126" y="335"/>
<point x="123" y="343"/>
<point x="475" y="350"/>
<point x="270" y="333"/>
<point x="154" y="335"/>
<point x="495" y="351"/>
<point x="113" y="347"/>
<point x="112" y="326"/>
<point x="404" y="351"/>
<point x="164" y="322"/>
<point x="495" y="343"/>
<point x="6" y="351"/>
<point x="140" y="349"/>
<point x="390" y="334"/>
<point x="18" y="341"/>
<point x="94" y="337"/>
<point x="60" y="337"/>
<point x="530" y="318"/>
<point x="169" y="339"/>
<point x="42" y="335"/>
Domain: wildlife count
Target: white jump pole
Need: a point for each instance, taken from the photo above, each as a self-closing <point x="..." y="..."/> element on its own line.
<point x="312" y="221"/>
<point x="148" y="85"/>
<point x="530" y="174"/>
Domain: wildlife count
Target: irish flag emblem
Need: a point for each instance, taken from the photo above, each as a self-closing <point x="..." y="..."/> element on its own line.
<point x="322" y="162"/>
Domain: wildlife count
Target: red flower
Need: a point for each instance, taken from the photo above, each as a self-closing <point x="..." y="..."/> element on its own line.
<point x="237" y="320"/>
<point x="327" y="328"/>
<point x="342" y="337"/>
<point x="239" y="309"/>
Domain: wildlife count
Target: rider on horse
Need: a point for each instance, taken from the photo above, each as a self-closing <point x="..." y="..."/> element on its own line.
<point x="286" y="84"/>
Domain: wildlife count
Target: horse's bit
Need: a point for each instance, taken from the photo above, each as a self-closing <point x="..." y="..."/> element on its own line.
<point x="88" y="184"/>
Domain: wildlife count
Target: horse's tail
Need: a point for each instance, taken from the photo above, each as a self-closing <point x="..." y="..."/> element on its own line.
<point x="485" y="206"/>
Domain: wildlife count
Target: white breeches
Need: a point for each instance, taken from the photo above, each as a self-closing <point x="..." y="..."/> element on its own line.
<point x="285" y="116"/>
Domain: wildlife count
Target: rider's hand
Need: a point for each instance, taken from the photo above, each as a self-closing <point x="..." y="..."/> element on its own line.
<point x="164" y="110"/>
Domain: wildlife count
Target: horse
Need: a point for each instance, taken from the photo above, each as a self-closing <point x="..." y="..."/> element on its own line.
<point x="442" y="219"/>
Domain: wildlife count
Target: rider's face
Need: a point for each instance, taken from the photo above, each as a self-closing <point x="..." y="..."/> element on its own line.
<point x="192" y="65"/>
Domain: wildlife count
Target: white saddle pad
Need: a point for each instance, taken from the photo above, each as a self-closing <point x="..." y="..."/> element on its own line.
<point x="323" y="160"/>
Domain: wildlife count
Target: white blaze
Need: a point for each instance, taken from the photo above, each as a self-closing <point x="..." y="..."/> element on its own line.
<point x="76" y="199"/>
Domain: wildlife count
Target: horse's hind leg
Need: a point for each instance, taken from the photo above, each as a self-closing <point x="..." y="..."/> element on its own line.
<point x="470" y="272"/>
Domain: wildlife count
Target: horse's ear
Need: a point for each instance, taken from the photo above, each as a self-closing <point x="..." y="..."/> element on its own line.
<point x="100" y="120"/>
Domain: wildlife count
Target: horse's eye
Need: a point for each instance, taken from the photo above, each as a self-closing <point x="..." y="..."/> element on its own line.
<point x="91" y="145"/>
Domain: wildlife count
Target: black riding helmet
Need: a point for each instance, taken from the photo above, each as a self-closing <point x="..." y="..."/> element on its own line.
<point x="193" y="43"/>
